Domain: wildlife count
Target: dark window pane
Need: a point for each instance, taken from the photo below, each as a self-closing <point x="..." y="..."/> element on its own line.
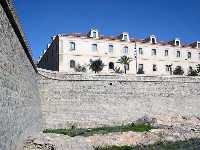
<point x="111" y="65"/>
<point x="72" y="64"/>
<point x="153" y="41"/>
<point x="166" y="53"/>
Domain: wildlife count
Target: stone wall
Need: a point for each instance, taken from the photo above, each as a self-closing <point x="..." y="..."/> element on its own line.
<point x="97" y="100"/>
<point x="20" y="113"/>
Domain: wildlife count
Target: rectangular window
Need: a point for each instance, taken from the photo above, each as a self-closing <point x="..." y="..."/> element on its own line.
<point x="198" y="45"/>
<point x="189" y="55"/>
<point x="154" y="67"/>
<point x="177" y="43"/>
<point x="153" y="53"/>
<point x="125" y="50"/>
<point x="140" y="69"/>
<point x="110" y="48"/>
<point x="153" y="41"/>
<point x="111" y="65"/>
<point x="141" y="66"/>
<point x="178" y="54"/>
<point x="94" y="34"/>
<point x="94" y="47"/>
<point x="72" y="64"/>
<point x="72" y="46"/>
<point x="140" y="51"/>
<point x="166" y="52"/>
<point x="125" y="37"/>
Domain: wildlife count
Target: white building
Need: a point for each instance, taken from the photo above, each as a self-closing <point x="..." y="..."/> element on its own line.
<point x="150" y="56"/>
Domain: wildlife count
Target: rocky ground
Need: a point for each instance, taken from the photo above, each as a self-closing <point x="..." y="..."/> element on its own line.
<point x="169" y="129"/>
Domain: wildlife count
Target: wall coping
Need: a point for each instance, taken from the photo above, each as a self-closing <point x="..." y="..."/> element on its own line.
<point x="61" y="76"/>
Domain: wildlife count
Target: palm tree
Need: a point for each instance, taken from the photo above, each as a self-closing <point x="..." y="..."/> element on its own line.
<point x="96" y="65"/>
<point x="125" y="60"/>
<point x="170" y="68"/>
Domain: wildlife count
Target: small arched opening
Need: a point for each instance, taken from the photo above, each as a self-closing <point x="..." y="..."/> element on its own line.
<point x="111" y="65"/>
<point x="72" y="64"/>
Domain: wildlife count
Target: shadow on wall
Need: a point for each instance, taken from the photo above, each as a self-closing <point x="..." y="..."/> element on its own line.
<point x="20" y="102"/>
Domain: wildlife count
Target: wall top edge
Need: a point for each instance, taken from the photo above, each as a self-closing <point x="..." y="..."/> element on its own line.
<point x="9" y="9"/>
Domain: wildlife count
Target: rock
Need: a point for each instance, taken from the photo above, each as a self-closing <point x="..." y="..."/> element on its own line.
<point x="146" y="120"/>
<point x="168" y="129"/>
<point x="56" y="142"/>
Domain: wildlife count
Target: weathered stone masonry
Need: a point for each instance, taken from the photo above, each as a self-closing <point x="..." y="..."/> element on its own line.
<point x="96" y="100"/>
<point x="20" y="113"/>
<point x="85" y="100"/>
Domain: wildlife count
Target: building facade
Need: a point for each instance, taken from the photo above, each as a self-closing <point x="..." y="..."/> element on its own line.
<point x="149" y="56"/>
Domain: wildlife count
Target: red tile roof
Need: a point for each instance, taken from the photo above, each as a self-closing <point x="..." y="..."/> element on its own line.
<point x="101" y="37"/>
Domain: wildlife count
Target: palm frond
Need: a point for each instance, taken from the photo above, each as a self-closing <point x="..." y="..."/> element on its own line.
<point x="124" y="60"/>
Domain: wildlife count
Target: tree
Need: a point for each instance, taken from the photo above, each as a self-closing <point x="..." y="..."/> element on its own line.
<point x="96" y="65"/>
<point x="192" y="72"/>
<point x="170" y="68"/>
<point x="178" y="71"/>
<point x="80" y="68"/>
<point x="118" y="70"/>
<point x="198" y="68"/>
<point x="124" y="60"/>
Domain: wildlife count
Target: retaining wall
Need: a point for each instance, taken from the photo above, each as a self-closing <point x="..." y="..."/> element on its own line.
<point x="98" y="100"/>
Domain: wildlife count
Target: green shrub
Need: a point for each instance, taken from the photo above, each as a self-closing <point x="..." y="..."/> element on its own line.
<point x="115" y="148"/>
<point x="96" y="65"/>
<point x="192" y="72"/>
<point x="100" y="130"/>
<point x="191" y="144"/>
<point x="80" y="68"/>
<point x="198" y="68"/>
<point x="118" y="70"/>
<point x="178" y="71"/>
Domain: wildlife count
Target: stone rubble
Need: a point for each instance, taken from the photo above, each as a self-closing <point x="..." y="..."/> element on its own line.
<point x="63" y="142"/>
<point x="168" y="129"/>
<point x="55" y="142"/>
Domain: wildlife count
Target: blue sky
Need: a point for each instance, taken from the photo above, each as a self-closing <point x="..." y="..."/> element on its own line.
<point x="166" y="19"/>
